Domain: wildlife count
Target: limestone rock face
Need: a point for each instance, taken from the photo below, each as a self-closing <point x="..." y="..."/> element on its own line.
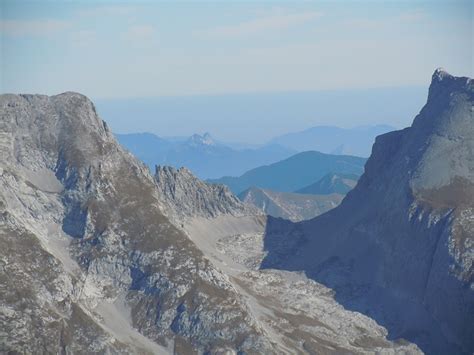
<point x="188" y="196"/>
<point x="400" y="247"/>
<point x="89" y="262"/>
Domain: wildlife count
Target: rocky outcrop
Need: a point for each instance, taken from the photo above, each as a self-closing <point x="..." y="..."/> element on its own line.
<point x="198" y="140"/>
<point x="400" y="247"/>
<point x="89" y="262"/>
<point x="293" y="206"/>
<point x="188" y="196"/>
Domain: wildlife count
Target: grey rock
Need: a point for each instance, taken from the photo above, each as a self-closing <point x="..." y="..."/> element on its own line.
<point x="188" y="196"/>
<point x="98" y="256"/>
<point x="399" y="248"/>
<point x="90" y="263"/>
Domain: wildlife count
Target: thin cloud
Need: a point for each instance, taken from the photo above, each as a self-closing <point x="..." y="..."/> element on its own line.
<point x="83" y="37"/>
<point x="19" y="28"/>
<point x="276" y="21"/>
<point x="107" y="10"/>
<point x="404" y="17"/>
<point x="412" y="16"/>
<point x="139" y="33"/>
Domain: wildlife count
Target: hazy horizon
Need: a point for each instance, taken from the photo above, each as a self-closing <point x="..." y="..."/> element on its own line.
<point x="257" y="118"/>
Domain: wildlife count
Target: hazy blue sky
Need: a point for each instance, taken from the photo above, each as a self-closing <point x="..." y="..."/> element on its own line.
<point x="134" y="50"/>
<point x="258" y="117"/>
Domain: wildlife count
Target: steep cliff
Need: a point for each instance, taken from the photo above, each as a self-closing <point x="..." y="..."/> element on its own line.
<point x="400" y="247"/>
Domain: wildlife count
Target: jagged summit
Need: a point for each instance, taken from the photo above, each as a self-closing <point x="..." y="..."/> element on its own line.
<point x="440" y="73"/>
<point x="189" y="197"/>
<point x="77" y="109"/>
<point x="66" y="124"/>
<point x="160" y="169"/>
<point x="71" y="102"/>
<point x="435" y="152"/>
<point x="205" y="139"/>
<point x="442" y="82"/>
<point x="443" y="141"/>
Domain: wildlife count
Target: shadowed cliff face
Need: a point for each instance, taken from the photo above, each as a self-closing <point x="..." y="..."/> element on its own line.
<point x="400" y="246"/>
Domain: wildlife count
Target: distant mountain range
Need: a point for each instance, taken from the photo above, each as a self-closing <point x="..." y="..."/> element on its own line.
<point x="331" y="183"/>
<point x="294" y="173"/>
<point x="306" y="203"/>
<point x="202" y="154"/>
<point x="334" y="140"/>
<point x="259" y="117"/>
<point x="293" y="206"/>
<point x="209" y="158"/>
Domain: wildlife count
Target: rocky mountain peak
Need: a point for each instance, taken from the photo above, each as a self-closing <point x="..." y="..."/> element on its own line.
<point x="85" y="242"/>
<point x="164" y="170"/>
<point x="443" y="84"/>
<point x="65" y="126"/>
<point x="436" y="152"/>
<point x="189" y="197"/>
<point x="445" y="133"/>
<point x="205" y="140"/>
<point x="440" y="73"/>
<point x="400" y="245"/>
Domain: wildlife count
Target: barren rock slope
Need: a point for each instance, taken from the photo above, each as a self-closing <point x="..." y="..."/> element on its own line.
<point x="89" y="263"/>
<point x="299" y="315"/>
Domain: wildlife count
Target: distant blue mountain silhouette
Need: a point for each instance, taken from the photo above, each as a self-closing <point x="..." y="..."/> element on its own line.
<point x="334" y="140"/>
<point x="331" y="183"/>
<point x="204" y="156"/>
<point x="294" y="173"/>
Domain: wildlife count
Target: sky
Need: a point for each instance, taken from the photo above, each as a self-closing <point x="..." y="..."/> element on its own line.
<point x="122" y="51"/>
<point x="256" y="118"/>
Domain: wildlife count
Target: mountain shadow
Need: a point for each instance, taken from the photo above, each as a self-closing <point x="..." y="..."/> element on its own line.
<point x="399" y="248"/>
